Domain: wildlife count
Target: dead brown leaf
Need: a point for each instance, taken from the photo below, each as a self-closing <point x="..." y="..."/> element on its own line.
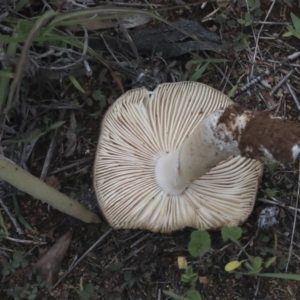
<point x="53" y="182"/>
<point x="118" y="79"/>
<point x="48" y="265"/>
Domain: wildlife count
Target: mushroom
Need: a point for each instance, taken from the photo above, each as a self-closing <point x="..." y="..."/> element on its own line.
<point x="184" y="155"/>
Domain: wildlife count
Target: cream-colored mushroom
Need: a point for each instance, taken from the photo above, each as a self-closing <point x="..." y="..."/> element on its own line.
<point x="171" y="158"/>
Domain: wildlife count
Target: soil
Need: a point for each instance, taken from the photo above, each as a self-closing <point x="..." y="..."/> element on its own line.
<point x="262" y="133"/>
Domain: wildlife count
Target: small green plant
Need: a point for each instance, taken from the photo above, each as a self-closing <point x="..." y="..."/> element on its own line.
<point x="198" y="246"/>
<point x="252" y="266"/>
<point x="271" y="192"/>
<point x="201" y="66"/>
<point x="190" y="295"/>
<point x="17" y="262"/>
<point x="28" y="291"/>
<point x="236" y="18"/>
<point x="86" y="291"/>
<point x="296" y="30"/>
<point x="129" y="279"/>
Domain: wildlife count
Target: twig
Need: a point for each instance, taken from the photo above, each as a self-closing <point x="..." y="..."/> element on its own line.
<point x="18" y="228"/>
<point x="275" y="202"/>
<point x="266" y="73"/>
<point x="258" y="37"/>
<point x="89" y="71"/>
<point x="257" y="288"/>
<point x="281" y="82"/>
<point x="83" y="256"/>
<point x="81" y="161"/>
<point x="130" y="42"/>
<point x="159" y="294"/>
<point x="271" y="23"/>
<point x="3" y="16"/>
<point x="108" y="48"/>
<point x="7" y="249"/>
<point x="140" y="240"/>
<point x="25" y="241"/>
<point x="51" y="147"/>
<point x="219" y="69"/>
<point x="293" y="95"/>
<point x="93" y="3"/>
<point x="294" y="225"/>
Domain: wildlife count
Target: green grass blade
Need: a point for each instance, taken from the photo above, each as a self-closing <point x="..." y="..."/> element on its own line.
<point x="4" y="82"/>
<point x="44" y="19"/>
<point x="76" y="84"/>
<point x="287" y="276"/>
<point x="34" y="137"/>
<point x="19" y="215"/>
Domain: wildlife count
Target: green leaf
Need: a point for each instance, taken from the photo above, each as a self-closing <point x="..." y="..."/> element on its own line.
<point x="232" y="91"/>
<point x="7" y="269"/>
<point x="231" y="233"/>
<point x="3" y="234"/>
<point x="271" y="192"/>
<point x="193" y="295"/>
<point x="32" y="297"/>
<point x="89" y="288"/>
<point x="2" y="224"/>
<point x="295" y="33"/>
<point x="24" y="27"/>
<point x="6" y="74"/>
<point x="199" y="71"/>
<point x="199" y="243"/>
<point x="36" y="136"/>
<point x="210" y="60"/>
<point x="174" y="296"/>
<point x="189" y="275"/>
<point x="19" y="216"/>
<point x="231" y="266"/>
<point x="248" y="266"/>
<point x="20" y="4"/>
<point x="116" y="266"/>
<point x="241" y="21"/>
<point x="296" y="22"/>
<point x="287" y="276"/>
<point x="17" y="257"/>
<point x="272" y="167"/>
<point x="270" y="261"/>
<point x="287" y="34"/>
<point x="76" y="84"/>
<point x="98" y="96"/>
<point x="87" y="291"/>
<point x="256" y="263"/>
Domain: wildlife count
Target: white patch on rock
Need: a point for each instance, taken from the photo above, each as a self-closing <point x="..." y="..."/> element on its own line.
<point x="295" y="151"/>
<point x="248" y="149"/>
<point x="267" y="154"/>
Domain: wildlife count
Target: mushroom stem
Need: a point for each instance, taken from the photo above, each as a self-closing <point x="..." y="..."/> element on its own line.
<point x="222" y="134"/>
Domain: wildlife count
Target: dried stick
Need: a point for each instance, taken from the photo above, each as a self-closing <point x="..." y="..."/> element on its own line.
<point x="293" y="95"/>
<point x="281" y="82"/>
<point x="266" y="73"/>
<point x="258" y="37"/>
<point x="18" y="228"/>
<point x="25" y="241"/>
<point x="83" y="256"/>
<point x="51" y="148"/>
<point x="294" y="225"/>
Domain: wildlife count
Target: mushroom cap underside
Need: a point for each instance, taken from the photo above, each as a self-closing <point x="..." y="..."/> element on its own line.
<point x="140" y="127"/>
